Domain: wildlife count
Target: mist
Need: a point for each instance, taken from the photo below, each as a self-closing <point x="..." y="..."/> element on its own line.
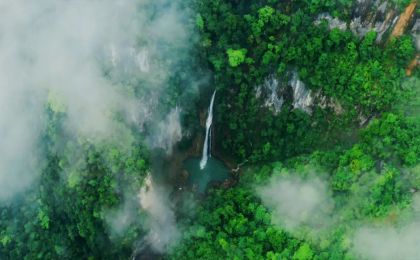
<point x="296" y="202"/>
<point x="92" y="60"/>
<point x="388" y="242"/>
<point x="168" y="132"/>
<point x="305" y="207"/>
<point x="164" y="232"/>
<point x="399" y="241"/>
<point x="108" y="66"/>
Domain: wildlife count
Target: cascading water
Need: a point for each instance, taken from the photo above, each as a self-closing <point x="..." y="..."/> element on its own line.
<point x="209" y="121"/>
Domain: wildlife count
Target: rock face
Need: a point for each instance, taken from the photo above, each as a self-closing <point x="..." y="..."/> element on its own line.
<point x="376" y="15"/>
<point x="383" y="17"/>
<point x="272" y="94"/>
<point x="415" y="31"/>
<point x="380" y="16"/>
<point x="333" y="22"/>
<point x="302" y="97"/>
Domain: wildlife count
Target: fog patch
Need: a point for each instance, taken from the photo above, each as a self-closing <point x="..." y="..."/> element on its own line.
<point x="388" y="243"/>
<point x="168" y="132"/>
<point x="95" y="61"/>
<point x="297" y="202"/>
<point x="121" y="219"/>
<point x="164" y="233"/>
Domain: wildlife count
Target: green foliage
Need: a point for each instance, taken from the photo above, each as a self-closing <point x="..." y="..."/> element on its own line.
<point x="66" y="216"/>
<point x="393" y="137"/>
<point x="371" y="169"/>
<point x="236" y="57"/>
<point x="199" y="22"/>
<point x="303" y="253"/>
<point x="233" y="225"/>
<point x="44" y="219"/>
<point x="272" y="38"/>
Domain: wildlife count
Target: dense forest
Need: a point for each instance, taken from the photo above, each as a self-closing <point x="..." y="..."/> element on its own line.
<point x="306" y="112"/>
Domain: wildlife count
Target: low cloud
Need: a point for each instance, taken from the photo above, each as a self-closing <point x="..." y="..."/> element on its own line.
<point x="388" y="243"/>
<point x="305" y="207"/>
<point x="122" y="218"/>
<point x="168" y="132"/>
<point x="93" y="60"/>
<point x="164" y="232"/>
<point x="297" y="202"/>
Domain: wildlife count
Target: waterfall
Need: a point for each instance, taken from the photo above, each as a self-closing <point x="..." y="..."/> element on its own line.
<point x="209" y="121"/>
<point x="210" y="141"/>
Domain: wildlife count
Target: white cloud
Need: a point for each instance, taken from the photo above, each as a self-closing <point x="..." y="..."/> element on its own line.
<point x="388" y="243"/>
<point x="164" y="232"/>
<point x="90" y="55"/>
<point x="297" y="202"/>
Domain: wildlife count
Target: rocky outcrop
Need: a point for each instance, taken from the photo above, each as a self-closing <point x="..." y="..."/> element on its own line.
<point x="373" y="15"/>
<point x="302" y="97"/>
<point x="415" y="32"/>
<point x="333" y="22"/>
<point x="380" y="16"/>
<point x="274" y="94"/>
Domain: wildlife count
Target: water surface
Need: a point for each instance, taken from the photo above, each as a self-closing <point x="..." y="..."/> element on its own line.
<point x="215" y="170"/>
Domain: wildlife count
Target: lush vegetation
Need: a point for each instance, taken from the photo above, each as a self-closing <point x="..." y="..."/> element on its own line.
<point x="65" y="215"/>
<point x="373" y="179"/>
<point x="255" y="41"/>
<point x="371" y="172"/>
<point x="368" y="152"/>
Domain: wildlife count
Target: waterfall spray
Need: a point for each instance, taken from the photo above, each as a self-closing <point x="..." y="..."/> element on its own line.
<point x="206" y="145"/>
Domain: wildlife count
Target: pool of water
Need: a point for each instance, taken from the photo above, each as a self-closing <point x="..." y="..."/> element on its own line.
<point x="215" y="170"/>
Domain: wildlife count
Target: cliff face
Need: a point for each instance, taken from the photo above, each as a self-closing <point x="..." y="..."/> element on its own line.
<point x="415" y="31"/>
<point x="388" y="22"/>
<point x="376" y="15"/>
<point x="381" y="16"/>
<point x="385" y="18"/>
